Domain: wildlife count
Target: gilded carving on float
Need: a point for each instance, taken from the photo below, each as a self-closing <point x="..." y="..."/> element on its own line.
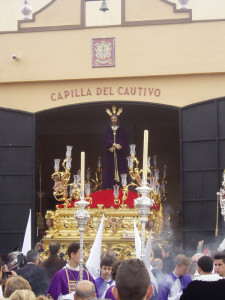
<point x="117" y="206"/>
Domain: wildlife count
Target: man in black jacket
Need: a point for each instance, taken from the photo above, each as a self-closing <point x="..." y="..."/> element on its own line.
<point x="53" y="263"/>
<point x="207" y="286"/>
<point x="35" y="275"/>
<point x="168" y="259"/>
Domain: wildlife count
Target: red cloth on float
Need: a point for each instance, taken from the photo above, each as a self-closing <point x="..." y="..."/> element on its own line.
<point x="106" y="198"/>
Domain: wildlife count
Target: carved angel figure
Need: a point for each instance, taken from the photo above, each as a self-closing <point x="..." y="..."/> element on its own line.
<point x="114" y="223"/>
<point x="58" y="183"/>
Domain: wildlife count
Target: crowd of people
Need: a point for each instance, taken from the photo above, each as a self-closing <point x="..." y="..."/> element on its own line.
<point x="171" y="276"/>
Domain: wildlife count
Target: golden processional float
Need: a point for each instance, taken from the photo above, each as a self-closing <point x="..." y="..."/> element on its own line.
<point x="117" y="205"/>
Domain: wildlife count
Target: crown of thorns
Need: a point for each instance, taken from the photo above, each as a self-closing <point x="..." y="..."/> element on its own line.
<point x="113" y="112"/>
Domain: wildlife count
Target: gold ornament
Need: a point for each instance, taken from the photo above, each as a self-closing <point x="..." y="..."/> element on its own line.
<point x="113" y="112"/>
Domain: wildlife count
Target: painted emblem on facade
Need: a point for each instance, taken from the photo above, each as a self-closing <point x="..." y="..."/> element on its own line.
<point x="103" y="52"/>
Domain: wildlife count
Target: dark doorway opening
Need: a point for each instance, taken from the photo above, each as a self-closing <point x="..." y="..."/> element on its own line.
<point x="83" y="127"/>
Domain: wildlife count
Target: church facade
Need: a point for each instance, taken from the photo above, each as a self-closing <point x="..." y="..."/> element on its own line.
<point x="64" y="66"/>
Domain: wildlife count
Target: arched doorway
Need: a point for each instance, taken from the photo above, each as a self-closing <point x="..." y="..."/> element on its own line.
<point x="83" y="127"/>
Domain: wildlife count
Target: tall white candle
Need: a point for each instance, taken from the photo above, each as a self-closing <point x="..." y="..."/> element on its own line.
<point x="145" y="154"/>
<point x="82" y="168"/>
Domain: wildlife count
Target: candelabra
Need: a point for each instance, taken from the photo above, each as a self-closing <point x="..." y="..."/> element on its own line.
<point x="143" y="204"/>
<point x="62" y="178"/>
<point x="148" y="187"/>
<point x="158" y="191"/>
<point x="75" y="187"/>
<point x="116" y="194"/>
<point x="221" y="195"/>
<point x="87" y="189"/>
<point x="63" y="190"/>
<point x="98" y="175"/>
<point x="221" y="200"/>
<point x="125" y="187"/>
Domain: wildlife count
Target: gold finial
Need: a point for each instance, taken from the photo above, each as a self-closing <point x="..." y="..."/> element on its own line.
<point x="113" y="112"/>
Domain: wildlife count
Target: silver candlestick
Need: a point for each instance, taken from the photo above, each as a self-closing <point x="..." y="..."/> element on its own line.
<point x="82" y="217"/>
<point x="143" y="204"/>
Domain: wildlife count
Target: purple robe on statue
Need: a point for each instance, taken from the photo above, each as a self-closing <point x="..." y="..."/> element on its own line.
<point x="102" y="286"/>
<point x="121" y="138"/>
<point x="64" y="282"/>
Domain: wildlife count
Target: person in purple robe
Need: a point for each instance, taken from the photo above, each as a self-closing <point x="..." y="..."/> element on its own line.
<point x="172" y="285"/>
<point x="115" y="142"/>
<point x="109" y="293"/>
<point x="63" y="283"/>
<point x="104" y="281"/>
